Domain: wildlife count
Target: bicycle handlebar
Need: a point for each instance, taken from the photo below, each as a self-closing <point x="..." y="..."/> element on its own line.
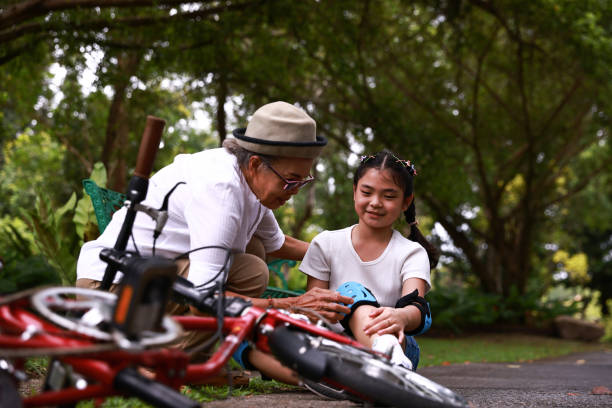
<point x="149" y="146"/>
<point x="137" y="189"/>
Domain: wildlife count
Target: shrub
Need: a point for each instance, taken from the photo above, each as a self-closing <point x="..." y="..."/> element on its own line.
<point x="459" y="308"/>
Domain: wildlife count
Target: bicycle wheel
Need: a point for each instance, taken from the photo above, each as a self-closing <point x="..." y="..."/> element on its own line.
<point x="362" y="374"/>
<point x="91" y="314"/>
<point x="9" y="396"/>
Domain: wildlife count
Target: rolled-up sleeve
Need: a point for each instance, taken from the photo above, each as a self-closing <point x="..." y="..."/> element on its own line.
<point x="269" y="232"/>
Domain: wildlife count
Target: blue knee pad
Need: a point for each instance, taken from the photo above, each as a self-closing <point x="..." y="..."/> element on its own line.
<point x="412" y="351"/>
<point x="240" y="355"/>
<point x="361" y="296"/>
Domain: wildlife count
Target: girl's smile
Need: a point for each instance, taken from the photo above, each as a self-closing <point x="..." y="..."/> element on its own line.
<point x="379" y="201"/>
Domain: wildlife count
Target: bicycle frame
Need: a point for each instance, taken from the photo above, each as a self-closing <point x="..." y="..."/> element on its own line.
<point x="171" y="366"/>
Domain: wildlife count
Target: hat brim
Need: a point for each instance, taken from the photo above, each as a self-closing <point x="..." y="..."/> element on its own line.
<point x="280" y="148"/>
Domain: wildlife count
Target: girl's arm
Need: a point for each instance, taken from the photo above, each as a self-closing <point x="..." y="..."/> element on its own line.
<point x="316" y="283"/>
<point x="318" y="296"/>
<point x="410" y="314"/>
<point x="396" y="321"/>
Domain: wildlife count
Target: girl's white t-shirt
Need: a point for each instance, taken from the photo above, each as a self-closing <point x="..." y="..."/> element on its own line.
<point x="331" y="257"/>
<point x="215" y="206"/>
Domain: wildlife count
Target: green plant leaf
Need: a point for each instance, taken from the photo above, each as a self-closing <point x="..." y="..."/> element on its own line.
<point x="98" y="174"/>
<point x="69" y="206"/>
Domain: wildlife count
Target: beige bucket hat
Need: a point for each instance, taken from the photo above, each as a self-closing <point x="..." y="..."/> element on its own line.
<point x="281" y="129"/>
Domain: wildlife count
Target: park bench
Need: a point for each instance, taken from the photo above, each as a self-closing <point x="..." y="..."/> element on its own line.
<point x="105" y="202"/>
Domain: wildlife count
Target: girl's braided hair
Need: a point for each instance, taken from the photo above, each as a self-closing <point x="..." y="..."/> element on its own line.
<point x="403" y="172"/>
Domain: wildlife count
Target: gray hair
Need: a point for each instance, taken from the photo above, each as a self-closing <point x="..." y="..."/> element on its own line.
<point x="243" y="155"/>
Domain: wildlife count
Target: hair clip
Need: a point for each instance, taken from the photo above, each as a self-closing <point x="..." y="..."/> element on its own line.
<point x="406" y="163"/>
<point x="411" y="169"/>
<point x="366" y="158"/>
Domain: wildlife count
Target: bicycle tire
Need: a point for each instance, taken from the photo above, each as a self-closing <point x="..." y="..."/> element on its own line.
<point x="9" y="395"/>
<point x="364" y="375"/>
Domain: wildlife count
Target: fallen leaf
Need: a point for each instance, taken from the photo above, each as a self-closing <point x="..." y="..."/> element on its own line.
<point x="466" y="362"/>
<point x="573" y="394"/>
<point x="446" y="363"/>
<point x="601" y="390"/>
<point x="513" y="366"/>
<point x="580" y="362"/>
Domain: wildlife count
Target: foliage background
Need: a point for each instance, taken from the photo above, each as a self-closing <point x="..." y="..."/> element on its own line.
<point x="503" y="106"/>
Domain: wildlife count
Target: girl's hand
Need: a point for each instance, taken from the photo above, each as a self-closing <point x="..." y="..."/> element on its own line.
<point x="386" y="320"/>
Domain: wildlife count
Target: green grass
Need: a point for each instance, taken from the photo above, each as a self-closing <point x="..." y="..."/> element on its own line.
<point x="256" y="386"/>
<point x="37" y="366"/>
<point x="497" y="348"/>
<point x="205" y="393"/>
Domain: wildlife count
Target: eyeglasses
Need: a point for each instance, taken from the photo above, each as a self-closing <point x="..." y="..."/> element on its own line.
<point x="406" y="163"/>
<point x="291" y="184"/>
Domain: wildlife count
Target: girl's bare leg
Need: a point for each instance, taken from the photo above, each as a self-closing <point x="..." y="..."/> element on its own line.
<point x="359" y="319"/>
<point x="387" y="343"/>
<point x="271" y="367"/>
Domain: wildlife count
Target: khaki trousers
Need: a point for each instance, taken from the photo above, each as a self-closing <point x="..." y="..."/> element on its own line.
<point x="248" y="276"/>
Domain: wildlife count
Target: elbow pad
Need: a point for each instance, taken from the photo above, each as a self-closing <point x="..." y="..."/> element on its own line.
<point x="420" y="303"/>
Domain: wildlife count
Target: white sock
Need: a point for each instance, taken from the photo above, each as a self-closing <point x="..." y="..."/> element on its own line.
<point x="389" y="345"/>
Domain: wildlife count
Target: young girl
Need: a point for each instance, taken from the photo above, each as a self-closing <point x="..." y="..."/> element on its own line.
<point x="386" y="274"/>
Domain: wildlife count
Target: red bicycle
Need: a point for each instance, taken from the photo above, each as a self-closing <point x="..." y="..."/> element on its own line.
<point x="96" y="339"/>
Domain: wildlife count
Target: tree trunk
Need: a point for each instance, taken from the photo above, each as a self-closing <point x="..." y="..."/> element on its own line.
<point x="117" y="128"/>
<point x="505" y="261"/>
<point x="222" y="93"/>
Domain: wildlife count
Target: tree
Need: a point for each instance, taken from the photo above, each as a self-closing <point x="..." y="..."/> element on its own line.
<point x="140" y="41"/>
<point x="500" y="105"/>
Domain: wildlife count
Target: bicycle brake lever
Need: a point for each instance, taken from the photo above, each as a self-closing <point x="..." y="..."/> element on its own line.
<point x="159" y="216"/>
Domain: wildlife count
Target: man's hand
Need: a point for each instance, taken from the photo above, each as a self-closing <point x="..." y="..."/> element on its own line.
<point x="324" y="302"/>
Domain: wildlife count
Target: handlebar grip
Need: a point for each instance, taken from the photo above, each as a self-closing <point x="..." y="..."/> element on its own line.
<point x="149" y="146"/>
<point x="157" y="394"/>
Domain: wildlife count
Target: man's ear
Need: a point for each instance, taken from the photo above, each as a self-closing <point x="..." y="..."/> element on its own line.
<point x="254" y="162"/>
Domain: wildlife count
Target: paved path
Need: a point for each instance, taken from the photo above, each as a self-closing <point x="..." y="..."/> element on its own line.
<point x="561" y="382"/>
